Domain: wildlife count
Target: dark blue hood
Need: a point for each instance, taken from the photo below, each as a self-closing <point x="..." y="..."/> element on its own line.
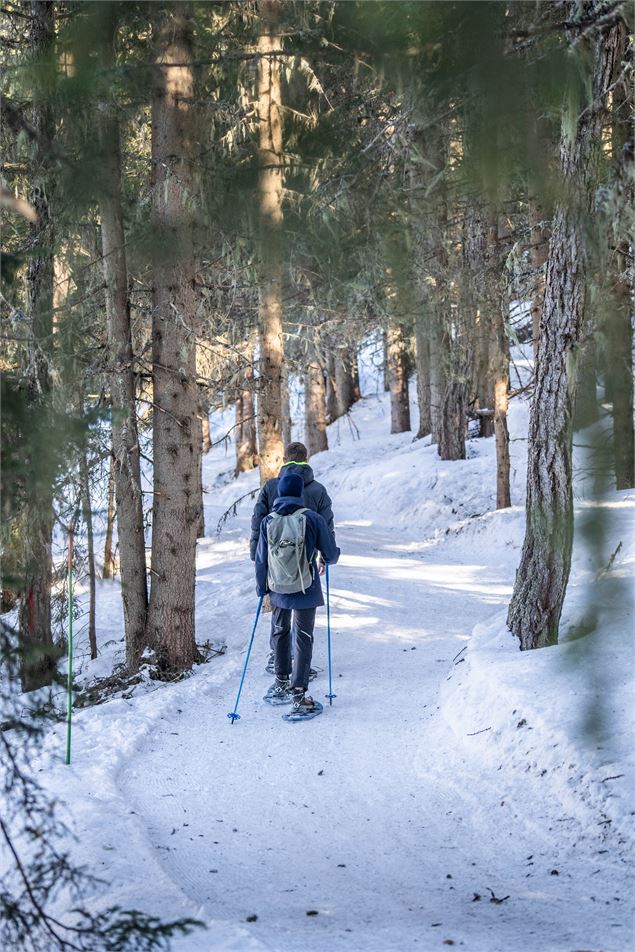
<point x="283" y="505"/>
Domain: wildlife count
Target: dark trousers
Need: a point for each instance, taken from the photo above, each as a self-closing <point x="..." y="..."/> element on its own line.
<point x="282" y="631"/>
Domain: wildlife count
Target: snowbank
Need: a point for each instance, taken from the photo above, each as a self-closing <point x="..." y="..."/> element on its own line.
<point x="564" y="713"/>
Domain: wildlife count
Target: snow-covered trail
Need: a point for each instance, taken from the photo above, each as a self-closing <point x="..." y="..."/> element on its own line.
<point x="368" y="827"/>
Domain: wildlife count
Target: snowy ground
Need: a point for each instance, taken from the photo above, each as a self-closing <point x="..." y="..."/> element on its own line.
<point x="457" y="792"/>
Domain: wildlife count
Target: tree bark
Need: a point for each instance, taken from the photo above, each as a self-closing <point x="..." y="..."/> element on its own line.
<point x="176" y="423"/>
<point x="541" y="579"/>
<point x="538" y="248"/>
<point x="125" y="440"/>
<point x="344" y="381"/>
<point x="269" y="107"/>
<point x="110" y="569"/>
<point x="246" y="443"/>
<point x="206" y="442"/>
<point x="478" y="300"/>
<point x="619" y="332"/>
<point x="315" y="408"/>
<point x="422" y="360"/>
<point x="331" y="387"/>
<point x="620" y="367"/>
<point x="397" y="362"/>
<point x="498" y="370"/>
<point x="36" y="639"/>
<point x="453" y="419"/>
<point x="286" y="405"/>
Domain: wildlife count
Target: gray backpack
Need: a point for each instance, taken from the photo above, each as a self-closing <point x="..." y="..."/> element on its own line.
<point x="289" y="568"/>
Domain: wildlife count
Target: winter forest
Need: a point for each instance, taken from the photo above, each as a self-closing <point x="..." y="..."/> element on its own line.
<point x="316" y="353"/>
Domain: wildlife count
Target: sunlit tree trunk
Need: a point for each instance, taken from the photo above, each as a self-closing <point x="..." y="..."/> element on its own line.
<point x="35" y="606"/>
<point x="498" y="368"/>
<point x="397" y="362"/>
<point x="176" y="423"/>
<point x="109" y="557"/>
<point x="541" y="579"/>
<point x="125" y="440"/>
<point x="269" y="104"/>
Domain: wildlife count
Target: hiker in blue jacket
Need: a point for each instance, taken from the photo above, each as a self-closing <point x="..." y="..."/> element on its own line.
<point x="292" y="678"/>
<point x="314" y="496"/>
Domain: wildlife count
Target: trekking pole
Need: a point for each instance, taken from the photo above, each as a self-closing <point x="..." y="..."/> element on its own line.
<point x="69" y="683"/>
<point x="330" y="695"/>
<point x="233" y="716"/>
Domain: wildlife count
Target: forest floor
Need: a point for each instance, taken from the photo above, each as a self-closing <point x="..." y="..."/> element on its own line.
<point x="456" y="793"/>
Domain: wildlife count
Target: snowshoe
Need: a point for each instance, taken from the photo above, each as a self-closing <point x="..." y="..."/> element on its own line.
<point x="304" y="708"/>
<point x="313" y="673"/>
<point x="279" y="693"/>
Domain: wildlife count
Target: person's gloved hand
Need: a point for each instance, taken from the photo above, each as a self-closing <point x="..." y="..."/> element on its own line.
<point x="321" y="566"/>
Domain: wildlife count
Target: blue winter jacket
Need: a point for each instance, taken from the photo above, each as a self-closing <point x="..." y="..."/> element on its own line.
<point x="314" y="497"/>
<point x="317" y="538"/>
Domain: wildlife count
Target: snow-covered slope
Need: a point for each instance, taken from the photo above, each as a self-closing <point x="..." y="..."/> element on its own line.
<point x="457" y="792"/>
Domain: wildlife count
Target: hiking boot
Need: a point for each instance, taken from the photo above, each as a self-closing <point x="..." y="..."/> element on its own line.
<point x="280" y="691"/>
<point x="303" y="703"/>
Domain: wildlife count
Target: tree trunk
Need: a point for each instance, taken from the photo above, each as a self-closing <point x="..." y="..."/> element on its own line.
<point x="286" y="405"/>
<point x="246" y="443"/>
<point x="176" y="423"/>
<point x="448" y="390"/>
<point x="620" y="368"/>
<point x="125" y="441"/>
<point x="87" y="513"/>
<point x="206" y="438"/>
<point x="480" y="307"/>
<point x="453" y="420"/>
<point x="109" y="560"/>
<point x="357" y="392"/>
<point x="271" y="270"/>
<point x="501" y="433"/>
<point x="619" y="332"/>
<point x="331" y="387"/>
<point x="422" y="361"/>
<point x="36" y="639"/>
<point x="315" y="408"/>
<point x="386" y="373"/>
<point x="538" y="248"/>
<point x="438" y="361"/>
<point x="498" y="370"/>
<point x="541" y="579"/>
<point x="397" y="362"/>
<point x="344" y="381"/>
<point x="586" y="402"/>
